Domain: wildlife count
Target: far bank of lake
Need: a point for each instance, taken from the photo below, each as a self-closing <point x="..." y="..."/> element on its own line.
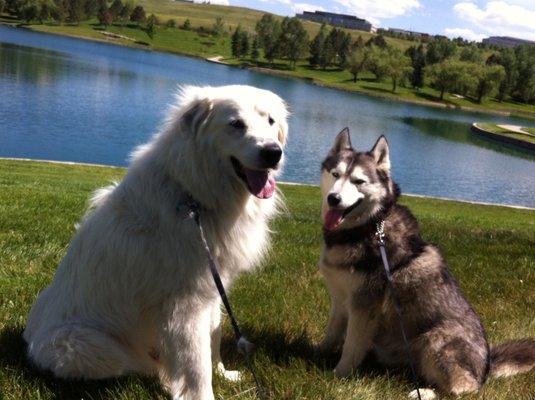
<point x="188" y="45"/>
<point x="76" y="100"/>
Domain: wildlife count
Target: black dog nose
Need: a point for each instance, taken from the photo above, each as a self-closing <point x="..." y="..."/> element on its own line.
<point x="270" y="155"/>
<point x="334" y="199"/>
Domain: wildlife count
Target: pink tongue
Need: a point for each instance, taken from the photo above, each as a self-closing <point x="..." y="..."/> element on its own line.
<point x="260" y="183"/>
<point x="332" y="218"/>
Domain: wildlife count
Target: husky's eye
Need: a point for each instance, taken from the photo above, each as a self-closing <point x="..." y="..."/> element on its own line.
<point x="335" y="174"/>
<point x="237" y="123"/>
<point x="358" y="181"/>
<point x="271" y="120"/>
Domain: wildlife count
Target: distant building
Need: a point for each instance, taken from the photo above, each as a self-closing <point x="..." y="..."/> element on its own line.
<point x="506" y="41"/>
<point x="408" y="33"/>
<point x="342" y="20"/>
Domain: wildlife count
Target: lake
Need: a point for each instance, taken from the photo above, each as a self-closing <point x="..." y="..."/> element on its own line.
<point x="75" y="100"/>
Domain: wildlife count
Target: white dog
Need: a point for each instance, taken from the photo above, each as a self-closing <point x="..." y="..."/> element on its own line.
<point x="134" y="293"/>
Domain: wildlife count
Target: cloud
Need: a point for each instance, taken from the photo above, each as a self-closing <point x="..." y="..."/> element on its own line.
<point x="376" y="10"/>
<point x="467" y="34"/>
<point x="300" y="7"/>
<point x="500" y="18"/>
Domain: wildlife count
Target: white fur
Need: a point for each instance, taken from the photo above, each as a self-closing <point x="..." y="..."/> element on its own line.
<point x="134" y="292"/>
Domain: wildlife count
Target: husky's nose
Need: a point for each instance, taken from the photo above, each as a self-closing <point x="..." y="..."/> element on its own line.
<point x="270" y="154"/>
<point x="334" y="199"/>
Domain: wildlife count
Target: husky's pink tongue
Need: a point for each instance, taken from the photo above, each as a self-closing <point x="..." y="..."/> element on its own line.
<point x="260" y="183"/>
<point x="332" y="218"/>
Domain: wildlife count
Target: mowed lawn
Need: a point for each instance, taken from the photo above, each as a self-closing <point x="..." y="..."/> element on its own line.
<point x="283" y="307"/>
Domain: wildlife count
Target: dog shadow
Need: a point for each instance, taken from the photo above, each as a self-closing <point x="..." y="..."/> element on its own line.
<point x="13" y="361"/>
<point x="281" y="350"/>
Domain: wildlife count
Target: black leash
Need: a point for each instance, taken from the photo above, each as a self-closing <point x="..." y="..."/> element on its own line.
<point x="380" y="233"/>
<point x="244" y="347"/>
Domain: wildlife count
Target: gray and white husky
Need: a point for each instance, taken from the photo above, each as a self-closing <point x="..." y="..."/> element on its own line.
<point x="447" y="340"/>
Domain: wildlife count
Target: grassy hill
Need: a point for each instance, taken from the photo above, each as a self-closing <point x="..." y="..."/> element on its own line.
<point x="283" y="307"/>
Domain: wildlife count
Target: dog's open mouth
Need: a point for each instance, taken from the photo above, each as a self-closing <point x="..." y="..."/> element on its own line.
<point x="258" y="182"/>
<point x="334" y="216"/>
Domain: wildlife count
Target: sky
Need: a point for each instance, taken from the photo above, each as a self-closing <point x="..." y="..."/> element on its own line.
<point x="470" y="19"/>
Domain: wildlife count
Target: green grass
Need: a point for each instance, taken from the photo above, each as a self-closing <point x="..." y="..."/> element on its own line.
<point x="498" y="130"/>
<point x="283" y="307"/>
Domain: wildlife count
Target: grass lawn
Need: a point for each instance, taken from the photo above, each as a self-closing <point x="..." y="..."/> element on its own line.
<point x="498" y="130"/>
<point x="283" y="307"/>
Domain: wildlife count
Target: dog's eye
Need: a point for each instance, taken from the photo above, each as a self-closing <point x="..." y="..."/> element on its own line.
<point x="237" y="123"/>
<point x="335" y="174"/>
<point x="271" y="121"/>
<point x="358" y="181"/>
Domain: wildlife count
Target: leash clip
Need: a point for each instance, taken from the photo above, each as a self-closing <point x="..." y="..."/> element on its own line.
<point x="380" y="232"/>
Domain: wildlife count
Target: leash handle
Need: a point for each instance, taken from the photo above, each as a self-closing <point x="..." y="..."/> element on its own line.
<point x="397" y="305"/>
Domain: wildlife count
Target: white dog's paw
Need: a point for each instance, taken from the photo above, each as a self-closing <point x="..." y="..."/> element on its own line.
<point x="425" y="394"/>
<point x="232" y="376"/>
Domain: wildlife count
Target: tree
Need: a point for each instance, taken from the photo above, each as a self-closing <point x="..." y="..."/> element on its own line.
<point x="138" y="15"/>
<point x="268" y="31"/>
<point x="488" y="79"/>
<point x="152" y="21"/>
<point x="447" y="75"/>
<point x="240" y="43"/>
<point x="75" y="10"/>
<point x="293" y="40"/>
<point x="255" y="49"/>
<point x="316" y="46"/>
<point x="171" y="23"/>
<point x="29" y="12"/>
<point x="399" y="66"/>
<point x="506" y="58"/>
<point x="45" y="11"/>
<point x="2" y="6"/>
<point x="439" y="50"/>
<point x="126" y="11"/>
<point x="186" y="25"/>
<point x="417" y="56"/>
<point x="471" y="54"/>
<point x="218" y="29"/>
<point x="358" y="61"/>
<point x="91" y="8"/>
<point x="115" y="9"/>
<point x="378" y="63"/>
<point x="524" y="88"/>
<point x="104" y="16"/>
<point x="378" y="41"/>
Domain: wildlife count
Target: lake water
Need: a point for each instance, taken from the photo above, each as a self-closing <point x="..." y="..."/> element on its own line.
<point x="75" y="100"/>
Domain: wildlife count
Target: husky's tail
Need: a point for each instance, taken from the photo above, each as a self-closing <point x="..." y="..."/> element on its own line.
<point x="512" y="358"/>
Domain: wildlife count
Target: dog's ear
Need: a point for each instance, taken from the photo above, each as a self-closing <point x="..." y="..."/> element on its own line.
<point x="381" y="153"/>
<point x="195" y="115"/>
<point x="342" y="142"/>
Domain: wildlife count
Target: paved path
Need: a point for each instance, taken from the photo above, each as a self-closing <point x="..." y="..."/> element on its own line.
<point x="515" y="128"/>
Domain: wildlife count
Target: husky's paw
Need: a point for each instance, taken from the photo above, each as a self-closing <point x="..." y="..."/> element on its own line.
<point x="232" y="376"/>
<point x="425" y="394"/>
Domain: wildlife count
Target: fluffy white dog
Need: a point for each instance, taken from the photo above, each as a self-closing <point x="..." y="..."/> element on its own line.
<point x="134" y="293"/>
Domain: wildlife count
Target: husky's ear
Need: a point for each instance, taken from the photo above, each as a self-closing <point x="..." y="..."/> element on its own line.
<point x="342" y="141"/>
<point x="195" y="115"/>
<point x="381" y="153"/>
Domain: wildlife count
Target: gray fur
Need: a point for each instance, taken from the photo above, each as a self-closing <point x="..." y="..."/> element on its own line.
<point x="447" y="339"/>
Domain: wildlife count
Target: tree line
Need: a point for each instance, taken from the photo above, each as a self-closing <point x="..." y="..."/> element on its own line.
<point x="450" y="66"/>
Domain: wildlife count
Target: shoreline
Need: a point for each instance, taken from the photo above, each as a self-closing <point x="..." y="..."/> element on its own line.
<point x="520" y="144"/>
<point x="422" y="196"/>
<point x="217" y="59"/>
